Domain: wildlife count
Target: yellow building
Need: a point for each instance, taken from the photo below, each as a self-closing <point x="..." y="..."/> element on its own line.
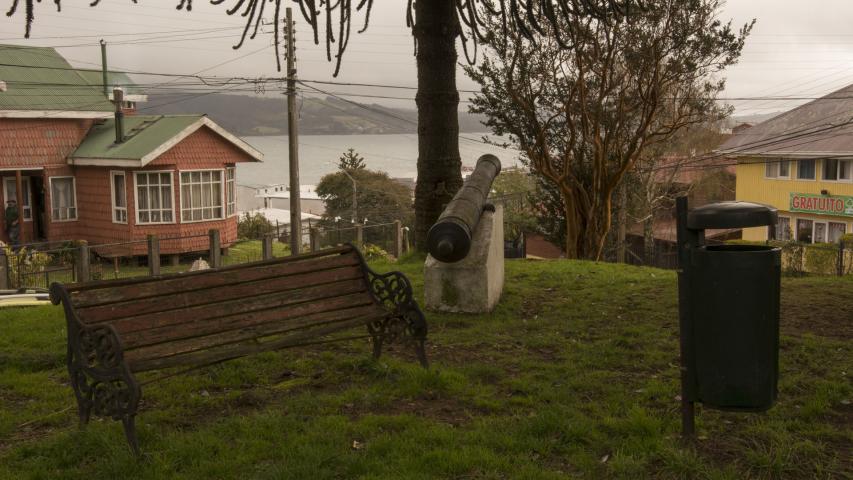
<point x="800" y="162"/>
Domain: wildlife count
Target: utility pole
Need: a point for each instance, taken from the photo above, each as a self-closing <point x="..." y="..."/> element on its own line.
<point x="293" y="136"/>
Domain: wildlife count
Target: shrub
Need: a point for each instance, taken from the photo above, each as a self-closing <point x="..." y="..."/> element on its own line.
<point x="374" y="252"/>
<point x="253" y="226"/>
<point x="23" y="262"/>
<point x="822" y="258"/>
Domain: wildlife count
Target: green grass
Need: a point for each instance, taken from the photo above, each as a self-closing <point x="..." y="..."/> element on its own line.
<point x="574" y="375"/>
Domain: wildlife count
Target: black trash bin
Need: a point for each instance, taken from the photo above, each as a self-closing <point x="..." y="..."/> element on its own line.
<point x="729" y="308"/>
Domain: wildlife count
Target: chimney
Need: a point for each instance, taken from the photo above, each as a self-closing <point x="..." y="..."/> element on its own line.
<point x="118" y="99"/>
<point x="104" y="65"/>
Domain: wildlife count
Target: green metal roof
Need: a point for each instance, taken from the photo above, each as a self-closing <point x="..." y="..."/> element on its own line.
<point x="38" y="78"/>
<point x="143" y="135"/>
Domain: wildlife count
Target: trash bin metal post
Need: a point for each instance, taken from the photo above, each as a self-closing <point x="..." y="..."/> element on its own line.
<point x="687" y="240"/>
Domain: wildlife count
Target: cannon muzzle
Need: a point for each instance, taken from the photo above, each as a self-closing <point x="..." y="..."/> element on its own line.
<point x="449" y="240"/>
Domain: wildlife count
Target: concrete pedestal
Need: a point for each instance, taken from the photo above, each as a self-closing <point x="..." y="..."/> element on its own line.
<point x="473" y="284"/>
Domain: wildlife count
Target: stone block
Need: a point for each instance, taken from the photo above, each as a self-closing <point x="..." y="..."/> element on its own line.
<point x="473" y="284"/>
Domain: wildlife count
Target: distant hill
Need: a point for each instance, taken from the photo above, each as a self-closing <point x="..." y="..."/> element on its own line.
<point x="246" y="115"/>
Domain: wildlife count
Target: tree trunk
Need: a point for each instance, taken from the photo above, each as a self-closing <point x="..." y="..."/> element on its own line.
<point x="439" y="164"/>
<point x="649" y="240"/>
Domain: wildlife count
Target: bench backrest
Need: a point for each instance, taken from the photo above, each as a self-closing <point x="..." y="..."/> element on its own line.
<point x="206" y="316"/>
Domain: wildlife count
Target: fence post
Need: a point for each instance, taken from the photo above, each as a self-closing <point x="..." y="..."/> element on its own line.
<point x="839" y="264"/>
<point x="215" y="249"/>
<point x="359" y="236"/>
<point x="153" y="255"/>
<point x="266" y="247"/>
<point x="82" y="260"/>
<point x="314" y="236"/>
<point x="398" y="238"/>
<point x="4" y="270"/>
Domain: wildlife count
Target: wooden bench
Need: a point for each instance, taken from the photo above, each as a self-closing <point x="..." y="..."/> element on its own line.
<point x="172" y="324"/>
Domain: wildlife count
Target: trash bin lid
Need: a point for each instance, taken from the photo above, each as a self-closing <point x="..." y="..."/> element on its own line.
<point x="731" y="215"/>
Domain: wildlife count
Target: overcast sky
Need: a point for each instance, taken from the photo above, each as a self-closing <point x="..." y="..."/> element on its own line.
<point x="797" y="48"/>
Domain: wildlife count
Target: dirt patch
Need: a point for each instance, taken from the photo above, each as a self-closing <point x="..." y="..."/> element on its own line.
<point x="824" y="310"/>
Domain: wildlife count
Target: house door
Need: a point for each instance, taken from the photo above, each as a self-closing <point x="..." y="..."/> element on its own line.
<point x="39" y="220"/>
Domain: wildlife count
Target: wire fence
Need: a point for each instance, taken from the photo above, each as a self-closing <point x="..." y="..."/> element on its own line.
<point x="797" y="258"/>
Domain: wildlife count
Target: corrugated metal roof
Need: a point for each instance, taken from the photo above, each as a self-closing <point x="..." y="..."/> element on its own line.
<point x="144" y="134"/>
<point x="38" y="78"/>
<point x="820" y="127"/>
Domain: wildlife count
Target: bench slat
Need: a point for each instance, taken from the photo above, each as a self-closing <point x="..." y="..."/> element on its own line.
<point x="183" y="300"/>
<point x="299" y="320"/>
<point x="227" y="352"/>
<point x="85" y="295"/>
<point x="227" y="325"/>
<point x="126" y="327"/>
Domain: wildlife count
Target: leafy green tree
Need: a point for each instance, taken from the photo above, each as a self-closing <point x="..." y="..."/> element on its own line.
<point x="379" y="198"/>
<point x="514" y="188"/>
<point x="583" y="116"/>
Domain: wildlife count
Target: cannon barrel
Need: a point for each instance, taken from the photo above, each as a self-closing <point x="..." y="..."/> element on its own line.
<point x="449" y="240"/>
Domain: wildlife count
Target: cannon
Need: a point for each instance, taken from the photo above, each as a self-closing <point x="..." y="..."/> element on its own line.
<point x="449" y="240"/>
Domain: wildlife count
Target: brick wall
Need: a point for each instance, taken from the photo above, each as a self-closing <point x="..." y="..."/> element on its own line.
<point x="39" y="141"/>
<point x="36" y="143"/>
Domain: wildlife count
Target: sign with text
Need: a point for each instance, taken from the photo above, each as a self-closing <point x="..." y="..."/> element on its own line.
<point x="822" y="204"/>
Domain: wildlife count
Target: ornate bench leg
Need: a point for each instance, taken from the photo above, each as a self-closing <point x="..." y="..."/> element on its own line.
<point x="376" y="339"/>
<point x="102" y="381"/>
<point x="83" y="392"/>
<point x="421" y="351"/>
<point x="129" y="422"/>
<point x="416" y="328"/>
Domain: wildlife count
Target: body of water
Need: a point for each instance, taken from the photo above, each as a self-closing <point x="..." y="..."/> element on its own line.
<point x="318" y="155"/>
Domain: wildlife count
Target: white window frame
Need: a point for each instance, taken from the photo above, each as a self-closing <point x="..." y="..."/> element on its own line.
<point x="838" y="178"/>
<point x="829" y="223"/>
<point x="777" y="166"/>
<point x="814" y="179"/>
<point x="136" y="196"/>
<point x="27" y="209"/>
<point x="231" y="206"/>
<point x="825" y="231"/>
<point x="222" y="194"/>
<point x="776" y="228"/>
<point x="115" y="208"/>
<point x="74" y="188"/>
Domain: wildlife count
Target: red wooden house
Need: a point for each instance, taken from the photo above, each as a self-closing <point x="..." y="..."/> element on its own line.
<point x="76" y="177"/>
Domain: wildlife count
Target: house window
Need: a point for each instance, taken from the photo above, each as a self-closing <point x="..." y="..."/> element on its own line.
<point x="804" y="230"/>
<point x="10" y="190"/>
<point x="819" y="232"/>
<point x="777" y="169"/>
<point x="230" y="191"/>
<point x="63" y="199"/>
<point x="837" y="170"/>
<point x="783" y="229"/>
<point x="845" y="170"/>
<point x="806" y="169"/>
<point x="118" y="191"/>
<point x="154" y="197"/>
<point x="836" y="230"/>
<point x="201" y="195"/>
<point x="830" y="169"/>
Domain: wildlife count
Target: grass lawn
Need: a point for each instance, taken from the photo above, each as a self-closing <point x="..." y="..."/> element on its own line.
<point x="574" y="375"/>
